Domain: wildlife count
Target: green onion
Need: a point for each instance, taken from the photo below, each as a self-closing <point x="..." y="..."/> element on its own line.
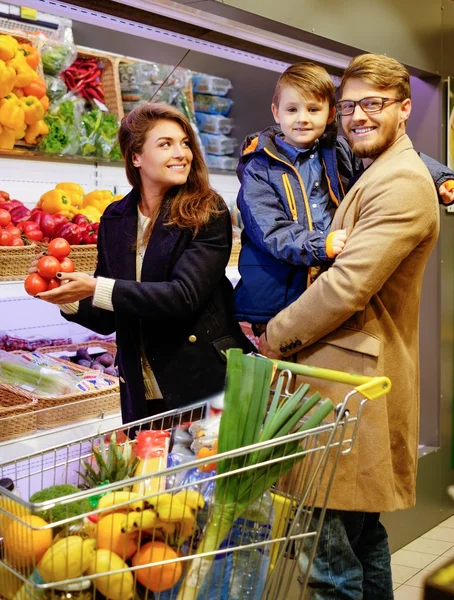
<point x="245" y="422"/>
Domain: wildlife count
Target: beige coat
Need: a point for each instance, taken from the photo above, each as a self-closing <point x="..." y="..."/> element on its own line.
<point x="361" y="316"/>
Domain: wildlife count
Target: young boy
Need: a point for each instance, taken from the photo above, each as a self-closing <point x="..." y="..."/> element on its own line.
<point x="293" y="177"/>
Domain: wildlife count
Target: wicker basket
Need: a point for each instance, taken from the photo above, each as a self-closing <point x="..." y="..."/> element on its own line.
<point x="109" y="79"/>
<point x="105" y="401"/>
<point x="109" y="347"/>
<point x="83" y="256"/>
<point x="15" y="261"/>
<point x="16" y="413"/>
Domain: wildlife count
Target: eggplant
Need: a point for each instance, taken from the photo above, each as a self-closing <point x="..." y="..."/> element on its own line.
<point x="84" y="363"/>
<point x="106" y="359"/>
<point x="97" y="367"/>
<point x="111" y="371"/>
<point x="82" y="353"/>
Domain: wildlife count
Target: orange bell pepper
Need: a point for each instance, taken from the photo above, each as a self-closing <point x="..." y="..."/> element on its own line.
<point x="45" y="103"/>
<point x="36" y="87"/>
<point x="31" y="55"/>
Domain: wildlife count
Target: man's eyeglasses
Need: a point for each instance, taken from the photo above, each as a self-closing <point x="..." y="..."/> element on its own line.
<point x="373" y="104"/>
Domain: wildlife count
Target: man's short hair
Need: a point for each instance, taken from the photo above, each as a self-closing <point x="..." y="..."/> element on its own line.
<point x="308" y="79"/>
<point x="381" y="71"/>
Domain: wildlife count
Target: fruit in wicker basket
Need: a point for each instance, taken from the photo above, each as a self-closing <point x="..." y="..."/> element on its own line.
<point x="68" y="558"/>
<point x="25" y="542"/>
<point x="162" y="577"/>
<point x="117" y="586"/>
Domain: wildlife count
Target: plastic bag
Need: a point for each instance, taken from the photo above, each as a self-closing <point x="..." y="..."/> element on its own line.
<point x="56" y="56"/>
<point x="56" y="87"/>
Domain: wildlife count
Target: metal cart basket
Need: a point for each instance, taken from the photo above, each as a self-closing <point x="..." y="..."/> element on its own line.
<point x="273" y="542"/>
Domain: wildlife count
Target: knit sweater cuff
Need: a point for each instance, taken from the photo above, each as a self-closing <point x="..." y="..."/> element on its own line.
<point x="69" y="309"/>
<point x="103" y="293"/>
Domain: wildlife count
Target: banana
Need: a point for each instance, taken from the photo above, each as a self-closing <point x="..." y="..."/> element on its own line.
<point x="116" y="586"/>
<point x="110" y="501"/>
<point x="9" y="582"/>
<point x="166" y="527"/>
<point x="157" y="499"/>
<point x="174" y="512"/>
<point x="191" y="498"/>
<point x="143" y="520"/>
<point x="186" y="530"/>
<point x="67" y="559"/>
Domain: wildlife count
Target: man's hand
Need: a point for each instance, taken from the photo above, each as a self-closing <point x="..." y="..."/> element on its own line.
<point x="74" y="287"/>
<point x="264" y="348"/>
<point x="338" y="241"/>
<point x="446" y="191"/>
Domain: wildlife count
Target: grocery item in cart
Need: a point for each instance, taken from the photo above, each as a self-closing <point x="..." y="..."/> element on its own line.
<point x="214" y="105"/>
<point x="213" y="123"/>
<point x="218" y="144"/>
<point x="208" y="84"/>
<point x="151" y="450"/>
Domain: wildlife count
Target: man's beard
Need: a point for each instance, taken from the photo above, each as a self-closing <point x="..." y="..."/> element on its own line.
<point x="365" y="149"/>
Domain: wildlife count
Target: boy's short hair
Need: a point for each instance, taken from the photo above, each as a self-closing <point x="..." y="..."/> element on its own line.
<point x="308" y="79"/>
<point x="381" y="71"/>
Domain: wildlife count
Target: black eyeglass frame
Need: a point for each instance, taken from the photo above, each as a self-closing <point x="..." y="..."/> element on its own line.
<point x="384" y="101"/>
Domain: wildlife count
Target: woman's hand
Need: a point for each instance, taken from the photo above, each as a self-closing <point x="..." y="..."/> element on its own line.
<point x="74" y="287"/>
<point x="265" y="349"/>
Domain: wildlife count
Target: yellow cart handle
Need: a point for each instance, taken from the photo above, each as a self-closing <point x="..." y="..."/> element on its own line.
<point x="369" y="387"/>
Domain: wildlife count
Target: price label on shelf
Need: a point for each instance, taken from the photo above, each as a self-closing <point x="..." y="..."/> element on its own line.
<point x="28" y="13"/>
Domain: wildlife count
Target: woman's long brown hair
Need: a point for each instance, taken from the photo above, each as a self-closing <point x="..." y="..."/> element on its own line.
<point x="192" y="204"/>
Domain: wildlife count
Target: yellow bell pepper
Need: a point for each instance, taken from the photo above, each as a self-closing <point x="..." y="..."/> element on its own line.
<point x="11" y="114"/>
<point x="118" y="197"/>
<point x="19" y="92"/>
<point x="33" y="109"/>
<point x="24" y="74"/>
<point x="7" y="138"/>
<point x="8" y="47"/>
<point x="36" y="132"/>
<point x="20" y="133"/>
<point x="7" y="79"/>
<point x="91" y="213"/>
<point x="68" y="185"/>
<point x="99" y="199"/>
<point x="57" y="201"/>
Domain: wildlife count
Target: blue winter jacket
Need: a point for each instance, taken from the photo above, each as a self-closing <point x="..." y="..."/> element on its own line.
<point x="281" y="252"/>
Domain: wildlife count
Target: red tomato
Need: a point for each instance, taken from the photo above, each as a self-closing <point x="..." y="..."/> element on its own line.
<point x="53" y="283"/>
<point x="5" y="238"/>
<point x="17" y="241"/>
<point x="48" y="266"/>
<point x="14" y="231"/>
<point x="59" y="248"/>
<point x="34" y="284"/>
<point x="35" y="235"/>
<point x="5" y="218"/>
<point x="66" y="265"/>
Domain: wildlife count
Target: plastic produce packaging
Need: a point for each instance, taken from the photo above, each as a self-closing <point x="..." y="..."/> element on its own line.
<point x="218" y="144"/>
<point x="214" y="105"/>
<point x="225" y="163"/>
<point x="55" y="87"/>
<point x="214" y="123"/>
<point x="208" y="84"/>
<point x="56" y="56"/>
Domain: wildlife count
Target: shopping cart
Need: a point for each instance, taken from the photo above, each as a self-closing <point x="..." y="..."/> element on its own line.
<point x="273" y="539"/>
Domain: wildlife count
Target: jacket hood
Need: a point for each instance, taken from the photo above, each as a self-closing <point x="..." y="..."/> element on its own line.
<point x="257" y="142"/>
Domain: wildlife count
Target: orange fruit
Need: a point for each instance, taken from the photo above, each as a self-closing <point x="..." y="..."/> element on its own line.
<point x="205" y="453"/>
<point x="162" y="577"/>
<point x="110" y="537"/>
<point x="24" y="546"/>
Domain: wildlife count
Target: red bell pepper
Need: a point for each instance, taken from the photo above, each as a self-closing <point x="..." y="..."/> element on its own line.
<point x="69" y="232"/>
<point x="10" y="204"/>
<point x="45" y="221"/>
<point x="80" y="219"/>
<point x="19" y="213"/>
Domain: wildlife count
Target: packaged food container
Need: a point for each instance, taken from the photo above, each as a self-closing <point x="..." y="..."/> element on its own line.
<point x="225" y="163"/>
<point x="218" y="144"/>
<point x="208" y="84"/>
<point x="214" y="123"/>
<point x="214" y="105"/>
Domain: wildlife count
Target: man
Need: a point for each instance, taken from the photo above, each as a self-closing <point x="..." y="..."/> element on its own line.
<point x="361" y="316"/>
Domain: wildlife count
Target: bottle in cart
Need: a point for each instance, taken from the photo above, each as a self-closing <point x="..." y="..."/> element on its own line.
<point x="250" y="566"/>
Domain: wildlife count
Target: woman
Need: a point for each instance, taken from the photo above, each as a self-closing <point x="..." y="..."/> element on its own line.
<point x="160" y="279"/>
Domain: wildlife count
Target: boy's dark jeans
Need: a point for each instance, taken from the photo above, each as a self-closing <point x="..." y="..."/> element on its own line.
<point x="352" y="561"/>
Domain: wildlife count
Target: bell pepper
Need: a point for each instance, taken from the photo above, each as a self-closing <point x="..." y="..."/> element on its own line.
<point x="20" y="133"/>
<point x="7" y="138"/>
<point x="118" y="197"/>
<point x="69" y="232"/>
<point x="36" y="132"/>
<point x="8" y="47"/>
<point x="11" y="113"/>
<point x="24" y="74"/>
<point x="19" y="92"/>
<point x="99" y="199"/>
<point x="37" y="87"/>
<point x="68" y="185"/>
<point x="33" y="109"/>
<point x="30" y="54"/>
<point x="45" y="103"/>
<point x="57" y="201"/>
<point x="45" y="221"/>
<point x="92" y="213"/>
<point x="7" y="79"/>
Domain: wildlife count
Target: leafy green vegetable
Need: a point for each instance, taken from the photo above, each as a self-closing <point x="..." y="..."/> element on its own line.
<point x="60" y="511"/>
<point x="55" y="58"/>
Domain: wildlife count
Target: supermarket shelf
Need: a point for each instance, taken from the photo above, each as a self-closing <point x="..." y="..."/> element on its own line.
<point x="12" y="289"/>
<point x="43" y="440"/>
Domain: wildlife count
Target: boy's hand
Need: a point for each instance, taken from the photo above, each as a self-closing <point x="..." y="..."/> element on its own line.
<point x="335" y="242"/>
<point x="446" y="191"/>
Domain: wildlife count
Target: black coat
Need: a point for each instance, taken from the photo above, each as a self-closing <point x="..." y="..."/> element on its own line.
<point x="183" y="306"/>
